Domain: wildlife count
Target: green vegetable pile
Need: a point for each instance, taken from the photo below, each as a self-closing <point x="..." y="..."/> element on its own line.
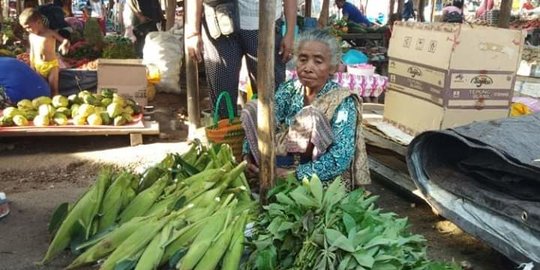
<point x="118" y="47"/>
<point x="308" y="227"/>
<point x="187" y="212"/>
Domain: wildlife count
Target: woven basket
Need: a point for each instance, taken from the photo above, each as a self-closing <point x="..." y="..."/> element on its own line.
<point x="228" y="131"/>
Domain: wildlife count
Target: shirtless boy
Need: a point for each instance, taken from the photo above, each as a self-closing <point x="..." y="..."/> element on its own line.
<point x="43" y="47"/>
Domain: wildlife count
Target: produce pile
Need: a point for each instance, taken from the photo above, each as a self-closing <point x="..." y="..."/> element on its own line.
<point x="84" y="108"/>
<point x="531" y="54"/>
<point x="188" y="212"/>
<point x="525" y="24"/>
<point x="340" y="27"/>
<point x="10" y="35"/>
<point x="195" y="211"/>
<point x="308" y="227"/>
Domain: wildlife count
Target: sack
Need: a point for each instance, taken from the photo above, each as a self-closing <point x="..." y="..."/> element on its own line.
<point x="220" y="19"/>
<point x="229" y="131"/>
<point x="453" y="17"/>
<point x="164" y="51"/>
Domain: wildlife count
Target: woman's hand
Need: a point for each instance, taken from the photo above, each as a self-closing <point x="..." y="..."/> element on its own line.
<point x="194" y="46"/>
<point x="252" y="171"/>
<point x="283" y="173"/>
<point x="64" y="47"/>
<point x="286" y="46"/>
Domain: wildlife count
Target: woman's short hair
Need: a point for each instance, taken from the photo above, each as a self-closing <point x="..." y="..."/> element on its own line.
<point x="29" y="15"/>
<point x="322" y="36"/>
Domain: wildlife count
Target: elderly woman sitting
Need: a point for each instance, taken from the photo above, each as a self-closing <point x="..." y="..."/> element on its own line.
<point x="318" y="124"/>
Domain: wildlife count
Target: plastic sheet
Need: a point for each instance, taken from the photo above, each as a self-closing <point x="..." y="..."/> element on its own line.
<point x="485" y="177"/>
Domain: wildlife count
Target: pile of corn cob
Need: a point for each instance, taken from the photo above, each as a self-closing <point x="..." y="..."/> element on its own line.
<point x="187" y="212"/>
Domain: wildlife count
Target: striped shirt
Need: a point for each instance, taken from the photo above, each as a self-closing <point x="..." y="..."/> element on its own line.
<point x="249" y="13"/>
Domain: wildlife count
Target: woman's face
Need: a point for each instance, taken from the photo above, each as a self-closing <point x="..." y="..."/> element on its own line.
<point x="313" y="64"/>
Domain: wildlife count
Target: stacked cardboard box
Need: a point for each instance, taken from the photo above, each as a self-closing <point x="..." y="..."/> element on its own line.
<point x="447" y="75"/>
<point x="127" y="77"/>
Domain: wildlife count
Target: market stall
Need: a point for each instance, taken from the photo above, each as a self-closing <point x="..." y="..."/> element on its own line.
<point x="94" y="74"/>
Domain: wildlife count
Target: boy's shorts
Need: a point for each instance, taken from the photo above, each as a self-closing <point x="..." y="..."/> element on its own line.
<point x="45" y="67"/>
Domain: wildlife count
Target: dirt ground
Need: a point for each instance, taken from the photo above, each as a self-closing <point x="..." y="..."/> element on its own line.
<point x="39" y="173"/>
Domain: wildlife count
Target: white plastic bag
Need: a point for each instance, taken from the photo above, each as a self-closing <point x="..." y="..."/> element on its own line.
<point x="165" y="51"/>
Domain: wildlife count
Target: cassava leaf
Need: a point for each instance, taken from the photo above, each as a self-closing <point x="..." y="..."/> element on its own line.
<point x="302" y="199"/>
<point x="335" y="238"/>
<point x="364" y="259"/>
<point x="349" y="222"/>
<point x="284" y="199"/>
<point x="316" y="189"/>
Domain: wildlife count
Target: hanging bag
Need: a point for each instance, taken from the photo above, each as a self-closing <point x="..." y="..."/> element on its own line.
<point x="229" y="131"/>
<point x="221" y="19"/>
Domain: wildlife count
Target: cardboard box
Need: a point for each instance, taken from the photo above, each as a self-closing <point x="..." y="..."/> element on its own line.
<point x="126" y="77"/>
<point x="447" y="75"/>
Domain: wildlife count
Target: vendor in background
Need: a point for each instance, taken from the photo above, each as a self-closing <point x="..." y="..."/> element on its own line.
<point x="97" y="10"/>
<point x="453" y="13"/>
<point x="147" y="17"/>
<point x="318" y="123"/>
<point x="352" y="13"/>
<point x="408" y="10"/>
<point x="65" y="5"/>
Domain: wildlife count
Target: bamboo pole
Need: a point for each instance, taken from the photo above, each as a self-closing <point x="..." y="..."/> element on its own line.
<point x="265" y="86"/>
<point x="169" y="13"/>
<point x="192" y="85"/>
<point x="505" y="13"/>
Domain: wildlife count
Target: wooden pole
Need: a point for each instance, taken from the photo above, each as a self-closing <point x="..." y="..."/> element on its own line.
<point x="266" y="86"/>
<point x="421" y="7"/>
<point x="432" y="15"/>
<point x="400" y="5"/>
<point x="307" y="10"/>
<point x="18" y="7"/>
<point x="391" y="7"/>
<point x="505" y="13"/>
<point x="5" y="8"/>
<point x="325" y="12"/>
<point x="170" y="12"/>
<point x="192" y="85"/>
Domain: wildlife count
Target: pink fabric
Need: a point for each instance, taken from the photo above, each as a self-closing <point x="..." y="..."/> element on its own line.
<point x="449" y="9"/>
<point x="363" y="86"/>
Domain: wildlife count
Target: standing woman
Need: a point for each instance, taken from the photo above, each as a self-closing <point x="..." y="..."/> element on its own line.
<point x="208" y="29"/>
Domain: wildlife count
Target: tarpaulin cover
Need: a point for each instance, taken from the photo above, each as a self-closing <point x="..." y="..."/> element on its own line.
<point x="485" y="177"/>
